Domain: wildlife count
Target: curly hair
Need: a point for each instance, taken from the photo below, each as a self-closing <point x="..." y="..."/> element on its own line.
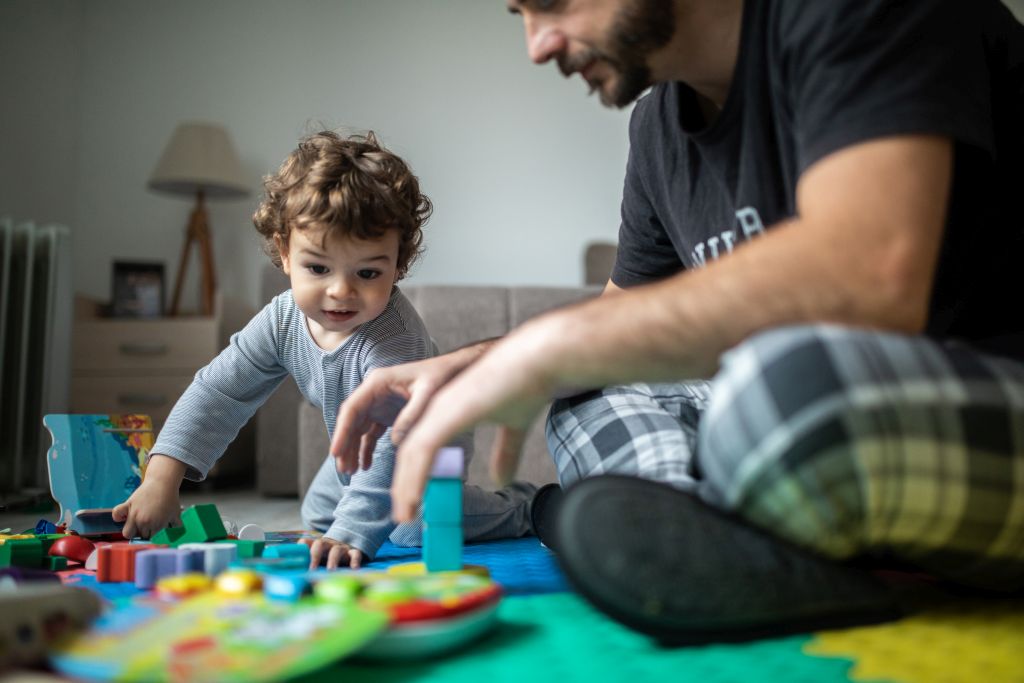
<point x="350" y="187"/>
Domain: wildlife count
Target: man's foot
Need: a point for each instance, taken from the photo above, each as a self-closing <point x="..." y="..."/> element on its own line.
<point x="544" y="512"/>
<point x="662" y="562"/>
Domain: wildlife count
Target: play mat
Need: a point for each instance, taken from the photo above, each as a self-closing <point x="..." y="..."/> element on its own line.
<point x="547" y="633"/>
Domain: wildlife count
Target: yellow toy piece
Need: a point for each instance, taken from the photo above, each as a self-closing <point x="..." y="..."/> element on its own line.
<point x="239" y="582"/>
<point x="183" y="585"/>
<point x="965" y="641"/>
<point x="420" y="568"/>
<point x="14" y="537"/>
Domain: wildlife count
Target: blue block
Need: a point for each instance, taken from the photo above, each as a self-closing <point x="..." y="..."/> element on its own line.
<point x="442" y="502"/>
<point x="442" y="547"/>
<point x="288" y="586"/>
<point x="153" y="565"/>
<point x="289" y="550"/>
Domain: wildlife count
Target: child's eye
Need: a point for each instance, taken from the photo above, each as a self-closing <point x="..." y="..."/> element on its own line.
<point x="317" y="269"/>
<point x="368" y="274"/>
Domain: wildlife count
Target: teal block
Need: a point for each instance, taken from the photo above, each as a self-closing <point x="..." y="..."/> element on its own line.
<point x="442" y="547"/>
<point x="442" y="502"/>
<point x="288" y="550"/>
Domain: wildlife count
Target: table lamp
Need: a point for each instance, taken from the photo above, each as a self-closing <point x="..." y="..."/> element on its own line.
<point x="199" y="161"/>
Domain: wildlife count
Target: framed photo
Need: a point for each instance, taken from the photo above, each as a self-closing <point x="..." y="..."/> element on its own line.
<point x="138" y="290"/>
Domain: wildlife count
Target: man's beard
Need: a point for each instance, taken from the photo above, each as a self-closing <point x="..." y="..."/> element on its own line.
<point x="642" y="27"/>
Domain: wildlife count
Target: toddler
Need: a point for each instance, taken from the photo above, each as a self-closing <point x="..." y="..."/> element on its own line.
<point x="342" y="218"/>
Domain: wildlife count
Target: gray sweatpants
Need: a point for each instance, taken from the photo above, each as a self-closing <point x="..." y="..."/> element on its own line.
<point x="486" y="515"/>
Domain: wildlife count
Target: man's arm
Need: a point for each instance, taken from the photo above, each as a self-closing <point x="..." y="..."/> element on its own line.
<point x="396" y="397"/>
<point x="862" y="251"/>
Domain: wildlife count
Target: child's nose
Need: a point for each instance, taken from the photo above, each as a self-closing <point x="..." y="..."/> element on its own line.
<point x="340" y="288"/>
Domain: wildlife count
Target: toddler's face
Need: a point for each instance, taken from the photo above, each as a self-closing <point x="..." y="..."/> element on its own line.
<point x="341" y="283"/>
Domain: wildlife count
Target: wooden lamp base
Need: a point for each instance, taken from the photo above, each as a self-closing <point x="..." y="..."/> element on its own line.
<point x="197" y="233"/>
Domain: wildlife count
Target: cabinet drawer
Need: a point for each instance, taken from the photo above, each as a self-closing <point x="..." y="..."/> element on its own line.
<point x="153" y="396"/>
<point x="162" y="346"/>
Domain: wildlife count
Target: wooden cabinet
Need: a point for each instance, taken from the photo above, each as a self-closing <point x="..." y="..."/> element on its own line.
<point x="137" y="366"/>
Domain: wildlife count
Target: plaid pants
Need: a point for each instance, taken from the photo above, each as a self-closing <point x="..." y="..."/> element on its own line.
<point x="846" y="441"/>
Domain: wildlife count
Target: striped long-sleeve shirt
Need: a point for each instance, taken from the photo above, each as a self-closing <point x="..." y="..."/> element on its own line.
<point x="275" y="343"/>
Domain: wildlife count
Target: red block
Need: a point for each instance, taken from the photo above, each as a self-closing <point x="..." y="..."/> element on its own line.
<point x="72" y="547"/>
<point x="116" y="562"/>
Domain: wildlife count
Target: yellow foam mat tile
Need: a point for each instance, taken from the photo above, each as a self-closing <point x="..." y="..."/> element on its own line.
<point x="967" y="641"/>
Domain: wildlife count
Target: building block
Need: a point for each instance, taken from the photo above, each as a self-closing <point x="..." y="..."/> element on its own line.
<point x="246" y="548"/>
<point x="72" y="547"/>
<point x="275" y="565"/>
<point x="442" y="512"/>
<point x="442" y="502"/>
<point x="116" y="562"/>
<point x="289" y="550"/>
<point x="25" y="552"/>
<point x="442" y="547"/>
<point x="153" y="565"/>
<point x="288" y="586"/>
<point x="55" y="564"/>
<point x="216" y="556"/>
<point x="170" y="536"/>
<point x="199" y="524"/>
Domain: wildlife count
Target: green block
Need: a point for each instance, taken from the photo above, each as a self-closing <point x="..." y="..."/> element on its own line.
<point x="246" y="548"/>
<point x="202" y="524"/>
<point x="23" y="552"/>
<point x="170" y="536"/>
<point x="56" y="564"/>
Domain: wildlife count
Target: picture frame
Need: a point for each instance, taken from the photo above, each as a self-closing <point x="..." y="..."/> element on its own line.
<point x="138" y="289"/>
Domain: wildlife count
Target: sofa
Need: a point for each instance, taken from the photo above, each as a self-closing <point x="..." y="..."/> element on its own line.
<point x="291" y="440"/>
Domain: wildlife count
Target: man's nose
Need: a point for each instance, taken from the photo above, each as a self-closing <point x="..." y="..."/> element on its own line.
<point x="543" y="41"/>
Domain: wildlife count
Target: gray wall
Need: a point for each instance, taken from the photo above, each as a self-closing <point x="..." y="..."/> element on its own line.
<point x="523" y="168"/>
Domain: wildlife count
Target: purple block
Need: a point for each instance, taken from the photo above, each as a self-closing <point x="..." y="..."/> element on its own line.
<point x="153" y="565"/>
<point x="448" y="464"/>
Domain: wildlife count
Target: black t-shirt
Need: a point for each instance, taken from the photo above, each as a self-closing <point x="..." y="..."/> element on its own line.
<point x="813" y="77"/>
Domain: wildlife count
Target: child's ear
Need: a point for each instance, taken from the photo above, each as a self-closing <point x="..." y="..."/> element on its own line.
<point x="282" y="249"/>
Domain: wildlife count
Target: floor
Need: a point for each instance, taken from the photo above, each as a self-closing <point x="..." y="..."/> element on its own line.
<point x="238" y="506"/>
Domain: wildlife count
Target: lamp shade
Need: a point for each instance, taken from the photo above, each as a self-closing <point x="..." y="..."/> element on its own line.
<point x="199" y="156"/>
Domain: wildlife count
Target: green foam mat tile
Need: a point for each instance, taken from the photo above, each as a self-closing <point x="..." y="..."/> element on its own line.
<point x="559" y="637"/>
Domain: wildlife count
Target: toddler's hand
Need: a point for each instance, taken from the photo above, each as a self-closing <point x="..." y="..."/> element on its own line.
<point x="335" y="551"/>
<point x="155" y="504"/>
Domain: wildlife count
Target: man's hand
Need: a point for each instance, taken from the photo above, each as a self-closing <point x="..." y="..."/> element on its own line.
<point x="507" y="386"/>
<point x="391" y="397"/>
<point x="155" y="504"/>
<point x="335" y="552"/>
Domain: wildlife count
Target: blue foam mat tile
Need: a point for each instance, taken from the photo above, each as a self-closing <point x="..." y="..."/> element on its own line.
<point x="521" y="565"/>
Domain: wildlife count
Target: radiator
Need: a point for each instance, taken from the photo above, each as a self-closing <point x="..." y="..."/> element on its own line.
<point x="36" y="306"/>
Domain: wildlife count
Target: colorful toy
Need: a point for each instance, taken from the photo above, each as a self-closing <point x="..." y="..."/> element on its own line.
<point x="153" y="565"/>
<point x="288" y="550"/>
<point x="442" y="512"/>
<point x="116" y="561"/>
<point x="246" y="548"/>
<point x="252" y="532"/>
<point x="95" y="463"/>
<point x="199" y="524"/>
<point x="238" y="582"/>
<point x="288" y="586"/>
<point x="211" y="638"/>
<point x="216" y="556"/>
<point x="73" y="547"/>
<point x="182" y="585"/>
